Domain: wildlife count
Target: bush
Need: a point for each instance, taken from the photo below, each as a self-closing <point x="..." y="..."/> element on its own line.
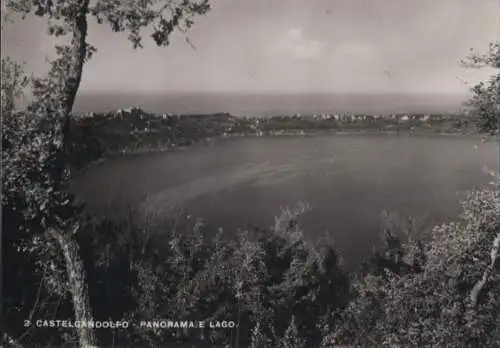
<point x="261" y="280"/>
<point x="443" y="301"/>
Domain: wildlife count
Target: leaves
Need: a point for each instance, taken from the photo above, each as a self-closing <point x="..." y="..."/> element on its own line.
<point x="14" y="83"/>
<point x="164" y="17"/>
<point x="430" y="306"/>
<point x="488" y="59"/>
<point x="485" y="102"/>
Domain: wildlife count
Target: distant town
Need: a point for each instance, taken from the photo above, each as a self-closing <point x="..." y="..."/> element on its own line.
<point x="143" y="122"/>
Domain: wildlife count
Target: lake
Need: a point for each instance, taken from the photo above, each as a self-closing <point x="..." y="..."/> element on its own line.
<point x="347" y="179"/>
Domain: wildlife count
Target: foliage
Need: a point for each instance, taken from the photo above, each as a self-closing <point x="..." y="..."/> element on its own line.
<point x="431" y="305"/>
<point x="485" y="102"/>
<point x="122" y="16"/>
<point x="163" y="17"/>
<point x="260" y="280"/>
<point x="32" y="202"/>
<point x="14" y="83"/>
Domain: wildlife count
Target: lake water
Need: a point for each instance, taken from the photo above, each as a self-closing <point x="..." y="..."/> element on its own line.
<point x="347" y="179"/>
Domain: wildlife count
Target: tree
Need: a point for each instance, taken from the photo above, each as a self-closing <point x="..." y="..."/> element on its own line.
<point x="36" y="142"/>
<point x="485" y="102"/>
<point x="37" y="213"/>
<point x="162" y="17"/>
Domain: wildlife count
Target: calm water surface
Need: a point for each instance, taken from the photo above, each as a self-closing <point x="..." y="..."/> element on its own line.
<point x="348" y="180"/>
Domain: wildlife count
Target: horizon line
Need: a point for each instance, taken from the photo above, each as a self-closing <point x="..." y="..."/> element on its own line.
<point x="139" y="92"/>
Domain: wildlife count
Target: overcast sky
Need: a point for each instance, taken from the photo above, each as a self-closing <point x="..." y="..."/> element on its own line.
<point x="283" y="46"/>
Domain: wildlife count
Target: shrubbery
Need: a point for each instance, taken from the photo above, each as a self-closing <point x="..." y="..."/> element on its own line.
<point x="434" y="301"/>
<point x="260" y="280"/>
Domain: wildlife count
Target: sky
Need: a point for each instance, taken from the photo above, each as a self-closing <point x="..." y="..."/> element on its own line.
<point x="289" y="46"/>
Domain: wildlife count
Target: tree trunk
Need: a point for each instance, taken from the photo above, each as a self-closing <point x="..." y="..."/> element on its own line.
<point x="74" y="75"/>
<point x="77" y="286"/>
<point x="478" y="287"/>
<point x="67" y="244"/>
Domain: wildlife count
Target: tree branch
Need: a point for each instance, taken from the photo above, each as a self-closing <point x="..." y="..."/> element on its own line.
<point x="32" y="312"/>
<point x="478" y="287"/>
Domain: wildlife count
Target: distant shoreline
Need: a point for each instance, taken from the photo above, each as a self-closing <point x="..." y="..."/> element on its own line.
<point x="210" y="140"/>
<point x="132" y="131"/>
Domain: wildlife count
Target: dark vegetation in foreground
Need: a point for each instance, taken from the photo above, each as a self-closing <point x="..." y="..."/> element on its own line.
<point x="280" y="290"/>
